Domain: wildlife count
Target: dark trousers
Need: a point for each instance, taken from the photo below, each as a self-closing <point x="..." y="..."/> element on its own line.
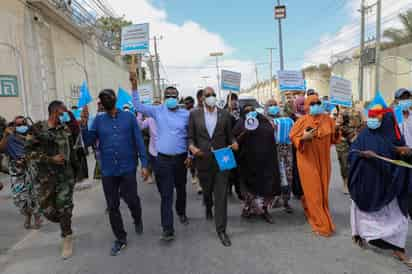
<point x="171" y="174"/>
<point x="214" y="185"/>
<point x="125" y="186"/>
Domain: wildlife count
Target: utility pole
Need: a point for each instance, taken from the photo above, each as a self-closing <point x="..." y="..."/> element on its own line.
<point x="282" y="65"/>
<point x="217" y="55"/>
<point x="378" y="44"/>
<point x="280" y="14"/>
<point x="362" y="50"/>
<point x="257" y="83"/>
<point x="271" y="70"/>
<point x="157" y="95"/>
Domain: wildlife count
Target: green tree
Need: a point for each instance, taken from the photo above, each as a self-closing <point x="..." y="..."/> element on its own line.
<point x="401" y="36"/>
<point x="112" y="30"/>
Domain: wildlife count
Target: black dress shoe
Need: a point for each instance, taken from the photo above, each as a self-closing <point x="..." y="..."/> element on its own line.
<point x="139" y="228"/>
<point x="209" y="214"/>
<point x="183" y="219"/>
<point x="224" y="238"/>
<point x="168" y="236"/>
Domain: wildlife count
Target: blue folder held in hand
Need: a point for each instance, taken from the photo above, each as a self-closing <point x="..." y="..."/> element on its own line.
<point x="225" y="159"/>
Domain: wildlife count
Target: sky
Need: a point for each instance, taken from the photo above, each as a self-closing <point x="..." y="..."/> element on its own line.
<point x="191" y="29"/>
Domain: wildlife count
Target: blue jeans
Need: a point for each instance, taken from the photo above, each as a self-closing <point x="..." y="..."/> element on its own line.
<point x="171" y="174"/>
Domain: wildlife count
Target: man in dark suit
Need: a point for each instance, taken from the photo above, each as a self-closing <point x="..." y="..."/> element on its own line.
<point x="210" y="129"/>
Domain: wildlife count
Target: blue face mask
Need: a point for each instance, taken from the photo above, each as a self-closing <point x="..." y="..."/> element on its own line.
<point x="316" y="110"/>
<point x="171" y="103"/>
<point x="273" y="110"/>
<point x="252" y="114"/>
<point x="22" y="129"/>
<point x="64" y="118"/>
<point x="373" y="123"/>
<point x="405" y="104"/>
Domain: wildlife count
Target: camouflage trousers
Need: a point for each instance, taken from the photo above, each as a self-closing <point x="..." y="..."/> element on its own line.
<point x="343" y="153"/>
<point x="285" y="158"/>
<point x="24" y="190"/>
<point x="56" y="197"/>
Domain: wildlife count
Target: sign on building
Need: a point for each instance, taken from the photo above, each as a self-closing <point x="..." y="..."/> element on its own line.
<point x="291" y="80"/>
<point x="8" y="86"/>
<point x="135" y="39"/>
<point x="146" y="93"/>
<point x="340" y="91"/>
<point x="231" y="80"/>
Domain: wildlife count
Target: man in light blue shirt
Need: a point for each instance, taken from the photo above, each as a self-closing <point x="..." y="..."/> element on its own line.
<point x="172" y="146"/>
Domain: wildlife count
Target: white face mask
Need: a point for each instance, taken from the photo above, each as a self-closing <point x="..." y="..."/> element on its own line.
<point x="211" y="101"/>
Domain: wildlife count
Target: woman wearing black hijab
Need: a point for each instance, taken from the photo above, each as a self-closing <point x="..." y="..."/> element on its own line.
<point x="258" y="161"/>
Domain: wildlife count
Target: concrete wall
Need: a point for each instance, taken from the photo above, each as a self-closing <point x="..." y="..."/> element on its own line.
<point x="395" y="71"/>
<point x="54" y="62"/>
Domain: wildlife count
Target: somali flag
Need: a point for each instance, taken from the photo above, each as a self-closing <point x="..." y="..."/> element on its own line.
<point x="124" y="98"/>
<point x="85" y="97"/>
<point x="225" y="159"/>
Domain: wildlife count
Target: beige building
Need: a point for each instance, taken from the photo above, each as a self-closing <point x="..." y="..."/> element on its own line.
<point x="395" y="71"/>
<point x="316" y="78"/>
<point x="263" y="91"/>
<point x="46" y="53"/>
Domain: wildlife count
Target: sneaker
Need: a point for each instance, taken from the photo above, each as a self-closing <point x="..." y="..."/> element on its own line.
<point x="168" y="236"/>
<point x="117" y="247"/>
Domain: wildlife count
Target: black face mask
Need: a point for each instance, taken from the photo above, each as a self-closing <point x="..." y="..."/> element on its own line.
<point x="108" y="103"/>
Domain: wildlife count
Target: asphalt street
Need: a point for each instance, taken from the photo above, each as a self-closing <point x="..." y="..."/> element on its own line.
<point x="288" y="246"/>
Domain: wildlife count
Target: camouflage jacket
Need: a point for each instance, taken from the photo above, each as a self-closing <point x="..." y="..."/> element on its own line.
<point x="352" y="125"/>
<point x="44" y="142"/>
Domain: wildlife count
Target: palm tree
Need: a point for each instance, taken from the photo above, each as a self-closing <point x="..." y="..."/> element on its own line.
<point x="402" y="36"/>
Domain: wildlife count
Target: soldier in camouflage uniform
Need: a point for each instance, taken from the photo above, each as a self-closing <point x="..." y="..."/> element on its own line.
<point x="350" y="121"/>
<point x="52" y="155"/>
<point x="23" y="187"/>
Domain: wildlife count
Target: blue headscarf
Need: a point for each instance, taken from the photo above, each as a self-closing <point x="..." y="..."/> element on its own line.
<point x="374" y="183"/>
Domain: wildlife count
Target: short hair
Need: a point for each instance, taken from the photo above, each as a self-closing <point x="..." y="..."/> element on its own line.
<point x="189" y="99"/>
<point x="107" y="92"/>
<point x="172" y="88"/>
<point x="232" y="97"/>
<point x="199" y="93"/>
<point x="54" y="106"/>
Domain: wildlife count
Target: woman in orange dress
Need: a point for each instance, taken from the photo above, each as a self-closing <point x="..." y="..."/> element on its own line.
<point x="313" y="135"/>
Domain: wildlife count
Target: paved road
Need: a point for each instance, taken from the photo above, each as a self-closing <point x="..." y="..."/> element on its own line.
<point x="288" y="246"/>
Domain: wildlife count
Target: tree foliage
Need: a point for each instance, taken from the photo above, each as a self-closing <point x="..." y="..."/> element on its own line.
<point x="396" y="36"/>
<point x="112" y="30"/>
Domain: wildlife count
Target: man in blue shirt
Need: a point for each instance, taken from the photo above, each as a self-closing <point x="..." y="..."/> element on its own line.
<point x="120" y="144"/>
<point x="172" y="125"/>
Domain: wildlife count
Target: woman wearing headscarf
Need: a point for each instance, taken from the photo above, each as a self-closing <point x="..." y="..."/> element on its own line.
<point x="299" y="112"/>
<point x="258" y="163"/>
<point x="313" y="135"/>
<point x="282" y="126"/>
<point x="379" y="190"/>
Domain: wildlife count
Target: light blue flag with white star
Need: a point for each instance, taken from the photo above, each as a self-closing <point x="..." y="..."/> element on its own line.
<point x="85" y="97"/>
<point x="225" y="159"/>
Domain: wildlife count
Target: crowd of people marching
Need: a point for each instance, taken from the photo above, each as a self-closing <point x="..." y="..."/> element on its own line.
<point x="281" y="152"/>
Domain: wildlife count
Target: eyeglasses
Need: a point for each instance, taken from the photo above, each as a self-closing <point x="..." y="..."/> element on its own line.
<point x="211" y="94"/>
<point x="316" y="103"/>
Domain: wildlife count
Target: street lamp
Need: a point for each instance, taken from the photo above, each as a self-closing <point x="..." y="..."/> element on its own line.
<point x="217" y="55"/>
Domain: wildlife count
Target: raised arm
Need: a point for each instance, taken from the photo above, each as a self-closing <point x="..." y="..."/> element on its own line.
<point x="89" y="135"/>
<point x="147" y="110"/>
